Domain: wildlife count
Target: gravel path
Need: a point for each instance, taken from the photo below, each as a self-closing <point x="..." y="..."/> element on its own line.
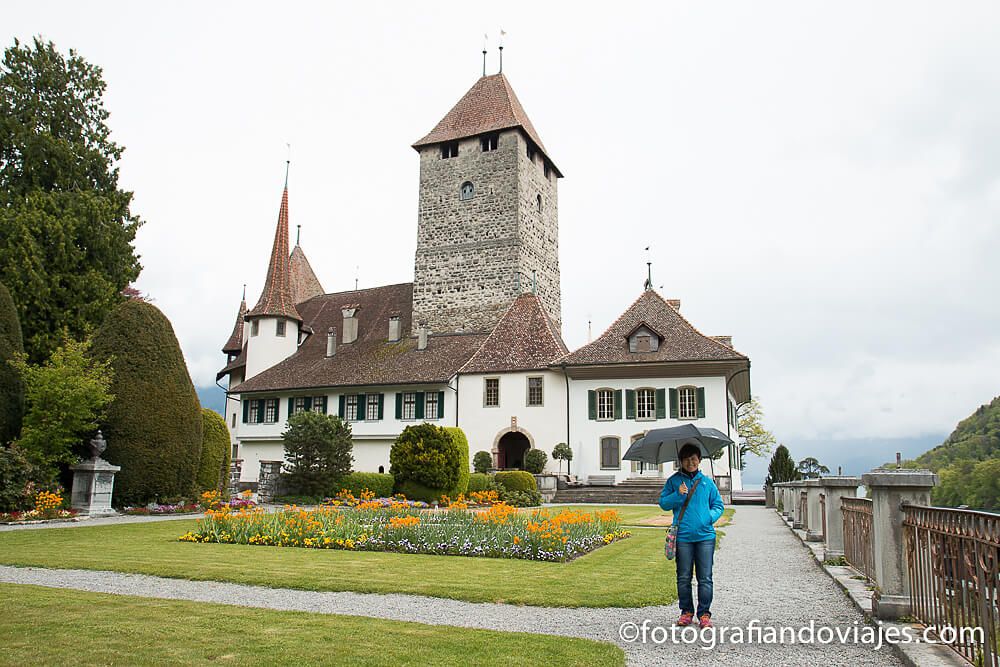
<point x="762" y="572"/>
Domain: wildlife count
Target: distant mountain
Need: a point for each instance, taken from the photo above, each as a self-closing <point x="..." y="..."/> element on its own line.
<point x="212" y="397"/>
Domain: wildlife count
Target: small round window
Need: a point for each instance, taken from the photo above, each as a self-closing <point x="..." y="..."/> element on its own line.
<point x="468" y="190"/>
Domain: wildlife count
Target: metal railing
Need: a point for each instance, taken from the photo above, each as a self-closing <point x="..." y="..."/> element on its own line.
<point x="858" y="546"/>
<point x="953" y="558"/>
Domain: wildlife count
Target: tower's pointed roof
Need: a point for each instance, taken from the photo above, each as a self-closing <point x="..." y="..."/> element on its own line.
<point x="490" y="105"/>
<point x="276" y="299"/>
<point x="305" y="284"/>
<point x="235" y="343"/>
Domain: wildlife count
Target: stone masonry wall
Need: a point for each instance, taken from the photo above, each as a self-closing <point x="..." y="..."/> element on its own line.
<point x="475" y="256"/>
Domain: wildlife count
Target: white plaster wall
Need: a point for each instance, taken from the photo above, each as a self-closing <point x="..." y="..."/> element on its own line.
<point x="253" y="452"/>
<point x="370" y="453"/>
<point x="267" y="348"/>
<point x="544" y="425"/>
<point x="586" y="434"/>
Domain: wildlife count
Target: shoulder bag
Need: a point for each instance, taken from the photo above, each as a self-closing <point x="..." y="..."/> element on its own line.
<point x="670" y="546"/>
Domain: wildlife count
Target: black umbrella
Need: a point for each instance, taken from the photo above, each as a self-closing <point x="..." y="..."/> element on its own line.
<point x="664" y="444"/>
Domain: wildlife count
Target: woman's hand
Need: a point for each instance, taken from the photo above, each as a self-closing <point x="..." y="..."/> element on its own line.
<point x="683" y="489"/>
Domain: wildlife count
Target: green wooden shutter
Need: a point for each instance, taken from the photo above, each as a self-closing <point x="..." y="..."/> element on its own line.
<point x="260" y="411"/>
<point x="324" y="404"/>
<point x="440" y="405"/>
<point x="661" y="403"/>
<point x="399" y="405"/>
<point x="381" y="405"/>
<point x="592" y="404"/>
<point x="362" y="406"/>
<point x="309" y="403"/>
<point x="291" y="406"/>
<point x="618" y="404"/>
<point x="420" y="405"/>
<point x="701" y="402"/>
<point x="246" y="410"/>
<point x="673" y="404"/>
<point x="342" y="407"/>
<point x="629" y="404"/>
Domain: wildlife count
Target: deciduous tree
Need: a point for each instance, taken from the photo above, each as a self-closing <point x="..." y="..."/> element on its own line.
<point x="754" y="438"/>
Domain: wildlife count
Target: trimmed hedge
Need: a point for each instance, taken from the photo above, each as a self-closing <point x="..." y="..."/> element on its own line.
<point x="479" y="482"/>
<point x="215" y="451"/>
<point x="380" y="484"/>
<point x="11" y="386"/>
<point x="153" y="426"/>
<point x="482" y="461"/>
<point x="425" y="462"/>
<point x="535" y="460"/>
<point x="458" y="437"/>
<point x="516" y="480"/>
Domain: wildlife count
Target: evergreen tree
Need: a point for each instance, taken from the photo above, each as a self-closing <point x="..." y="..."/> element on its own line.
<point x="317" y="453"/>
<point x="66" y="230"/>
<point x="215" y="451"/>
<point x="782" y="467"/>
<point x="154" y="429"/>
<point x="11" y="387"/>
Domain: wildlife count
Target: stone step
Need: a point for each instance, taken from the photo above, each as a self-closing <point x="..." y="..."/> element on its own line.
<point x="611" y="495"/>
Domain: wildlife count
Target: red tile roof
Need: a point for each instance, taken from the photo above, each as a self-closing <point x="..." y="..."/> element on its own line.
<point x="523" y="339"/>
<point x="681" y="341"/>
<point x="305" y="284"/>
<point x="371" y="359"/>
<point x="276" y="298"/>
<point x="238" y="362"/>
<point x="235" y="342"/>
<point x="490" y="105"/>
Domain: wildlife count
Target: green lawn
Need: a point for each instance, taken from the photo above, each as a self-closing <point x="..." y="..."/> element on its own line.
<point x="628" y="573"/>
<point x="44" y="626"/>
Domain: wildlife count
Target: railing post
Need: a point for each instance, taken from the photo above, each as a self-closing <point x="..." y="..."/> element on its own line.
<point x="890" y="488"/>
<point x="814" y="520"/>
<point x="836" y="488"/>
<point x="768" y="496"/>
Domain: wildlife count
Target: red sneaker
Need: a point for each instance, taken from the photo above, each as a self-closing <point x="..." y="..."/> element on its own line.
<point x="705" y="621"/>
<point x="686" y="619"/>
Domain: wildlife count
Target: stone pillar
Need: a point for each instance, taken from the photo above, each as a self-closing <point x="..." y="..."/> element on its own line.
<point x="267" y="482"/>
<point x="235" y="471"/>
<point x="798" y="521"/>
<point x="768" y="496"/>
<point x="836" y="488"/>
<point x="890" y="488"/>
<point x="814" y="518"/>
<point x="93" y="482"/>
<point x="788" y="509"/>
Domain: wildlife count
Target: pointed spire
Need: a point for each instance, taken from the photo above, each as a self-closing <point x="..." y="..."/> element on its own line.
<point x="305" y="284"/>
<point x="276" y="298"/>
<point x="235" y="343"/>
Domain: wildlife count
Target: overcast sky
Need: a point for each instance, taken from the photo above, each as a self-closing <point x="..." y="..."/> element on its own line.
<point x="820" y="181"/>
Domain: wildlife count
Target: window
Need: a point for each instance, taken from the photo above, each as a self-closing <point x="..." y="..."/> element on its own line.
<point x="489" y="142"/>
<point x="371" y="408"/>
<point x="687" y="398"/>
<point x="642" y="343"/>
<point x="468" y="191"/>
<point x="531" y="152"/>
<point x="645" y="400"/>
<point x="255" y="327"/>
<point x="351" y="408"/>
<point x="538" y="199"/>
<point x="234" y="421"/>
<point x="431" y="402"/>
<point x="280" y="328"/>
<point x="610" y="454"/>
<point x="319" y="404"/>
<point x="409" y="409"/>
<point x="547" y="170"/>
<point x="299" y="405"/>
<point x="491" y="398"/>
<point x="605" y="404"/>
<point x="270" y="410"/>
<point x="236" y="452"/>
<point x="253" y="412"/>
<point x="535" y="391"/>
<point x="449" y="150"/>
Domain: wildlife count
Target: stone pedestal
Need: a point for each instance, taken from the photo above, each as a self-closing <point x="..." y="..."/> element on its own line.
<point x="93" y="482"/>
<point x="235" y="471"/>
<point x="890" y="488"/>
<point x="268" y="482"/>
<point x="836" y="489"/>
<point x="814" y="511"/>
<point x="768" y="496"/>
<point x="546" y="486"/>
<point x="798" y="518"/>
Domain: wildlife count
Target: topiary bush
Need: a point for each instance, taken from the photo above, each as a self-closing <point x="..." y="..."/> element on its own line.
<point x="482" y="461"/>
<point x="11" y="387"/>
<point x="562" y="452"/>
<point x="535" y="460"/>
<point x="516" y="480"/>
<point x="530" y="498"/>
<point x="458" y="437"/>
<point x="479" y="481"/>
<point x="318" y="454"/>
<point x="215" y="451"/>
<point x="381" y="484"/>
<point x="425" y="462"/>
<point x="154" y="425"/>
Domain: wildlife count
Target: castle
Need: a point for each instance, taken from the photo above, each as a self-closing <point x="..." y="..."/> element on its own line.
<point x="474" y="341"/>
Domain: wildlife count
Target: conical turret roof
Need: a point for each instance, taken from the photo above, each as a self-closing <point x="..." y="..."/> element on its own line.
<point x="305" y="284"/>
<point x="276" y="299"/>
<point x="235" y="343"/>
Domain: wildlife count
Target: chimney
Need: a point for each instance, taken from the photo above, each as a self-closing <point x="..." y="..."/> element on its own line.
<point x="331" y="342"/>
<point x="350" y="324"/>
<point x="675" y="304"/>
<point x="725" y="340"/>
<point x="394" y="326"/>
<point x="422" y="338"/>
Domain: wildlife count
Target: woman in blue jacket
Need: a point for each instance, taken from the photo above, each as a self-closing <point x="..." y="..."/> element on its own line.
<point x="695" y="534"/>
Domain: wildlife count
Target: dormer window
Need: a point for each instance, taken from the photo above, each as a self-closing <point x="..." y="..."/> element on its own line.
<point x="449" y="150"/>
<point x="468" y="191"/>
<point x="643" y="339"/>
<point x="642" y="343"/>
<point x="279" y="329"/>
<point x="490" y="142"/>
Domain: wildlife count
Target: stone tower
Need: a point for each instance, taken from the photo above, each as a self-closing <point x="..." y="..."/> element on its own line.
<point x="488" y="219"/>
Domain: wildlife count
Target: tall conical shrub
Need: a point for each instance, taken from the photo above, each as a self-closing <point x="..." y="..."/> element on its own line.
<point x="782" y="467"/>
<point x="154" y="425"/>
<point x="215" y="451"/>
<point x="11" y="387"/>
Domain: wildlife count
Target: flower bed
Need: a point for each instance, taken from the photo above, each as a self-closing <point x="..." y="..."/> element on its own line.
<point x="497" y="532"/>
<point x="210" y="500"/>
<point x="48" y="507"/>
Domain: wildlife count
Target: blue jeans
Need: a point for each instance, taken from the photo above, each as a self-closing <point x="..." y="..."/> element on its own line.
<point x="699" y="556"/>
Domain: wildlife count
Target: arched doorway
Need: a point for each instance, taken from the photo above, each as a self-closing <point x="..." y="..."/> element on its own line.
<point x="511" y="450"/>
